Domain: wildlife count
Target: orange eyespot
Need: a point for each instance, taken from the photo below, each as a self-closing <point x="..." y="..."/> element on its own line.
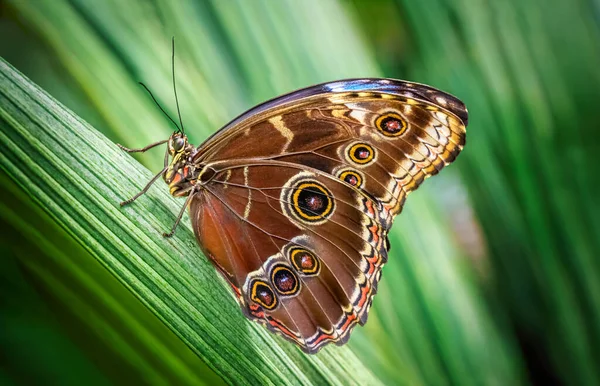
<point x="361" y="153"/>
<point x="307" y="200"/>
<point x="304" y="261"/>
<point x="391" y="124"/>
<point x="312" y="201"/>
<point x="262" y="294"/>
<point x="352" y="177"/>
<point x="285" y="280"/>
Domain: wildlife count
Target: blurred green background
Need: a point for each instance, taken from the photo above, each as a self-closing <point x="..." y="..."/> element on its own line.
<point x="494" y="273"/>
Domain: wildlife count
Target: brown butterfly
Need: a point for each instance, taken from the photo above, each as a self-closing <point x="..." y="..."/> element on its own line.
<point x="293" y="200"/>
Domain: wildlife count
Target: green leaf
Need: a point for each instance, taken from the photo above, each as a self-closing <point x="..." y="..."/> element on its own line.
<point x="79" y="177"/>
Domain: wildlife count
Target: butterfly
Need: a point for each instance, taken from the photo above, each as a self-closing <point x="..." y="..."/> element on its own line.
<point x="293" y="200"/>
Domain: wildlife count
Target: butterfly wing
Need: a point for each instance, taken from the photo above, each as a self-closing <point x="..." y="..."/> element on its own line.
<point x="304" y="190"/>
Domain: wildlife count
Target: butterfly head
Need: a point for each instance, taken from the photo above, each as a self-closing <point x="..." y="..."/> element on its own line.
<point x="181" y="173"/>
<point x="178" y="143"/>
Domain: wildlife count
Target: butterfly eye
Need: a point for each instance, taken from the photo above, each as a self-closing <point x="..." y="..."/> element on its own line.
<point x="178" y="143"/>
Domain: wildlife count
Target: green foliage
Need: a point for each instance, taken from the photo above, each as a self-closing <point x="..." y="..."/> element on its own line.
<point x="492" y="278"/>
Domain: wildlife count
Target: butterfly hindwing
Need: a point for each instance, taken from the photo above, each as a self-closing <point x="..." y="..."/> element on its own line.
<point x="316" y="263"/>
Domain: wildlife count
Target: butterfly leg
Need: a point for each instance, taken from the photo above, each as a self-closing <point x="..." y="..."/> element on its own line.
<point x="143" y="149"/>
<point x="148" y="185"/>
<point x="181" y="212"/>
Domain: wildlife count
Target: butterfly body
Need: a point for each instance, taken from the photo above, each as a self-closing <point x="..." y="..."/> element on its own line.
<point x="293" y="200"/>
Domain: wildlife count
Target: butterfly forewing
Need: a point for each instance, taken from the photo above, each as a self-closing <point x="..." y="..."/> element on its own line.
<point x="304" y="189"/>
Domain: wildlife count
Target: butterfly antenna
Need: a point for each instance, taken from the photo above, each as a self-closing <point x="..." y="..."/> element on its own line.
<point x="174" y="87"/>
<point x="159" y="106"/>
